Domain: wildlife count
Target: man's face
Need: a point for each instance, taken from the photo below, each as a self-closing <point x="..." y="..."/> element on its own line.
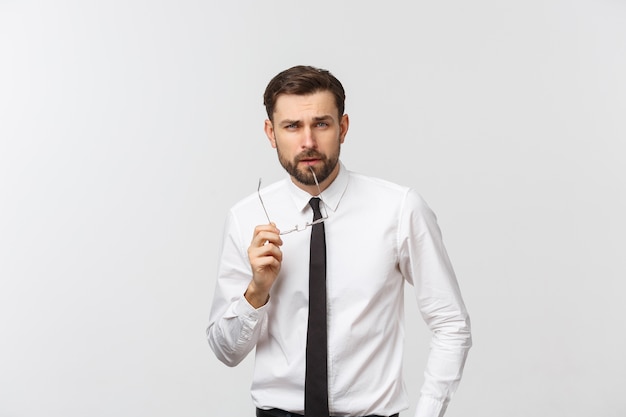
<point x="308" y="132"/>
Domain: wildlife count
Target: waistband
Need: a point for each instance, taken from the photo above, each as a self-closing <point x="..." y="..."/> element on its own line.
<point x="277" y="412"/>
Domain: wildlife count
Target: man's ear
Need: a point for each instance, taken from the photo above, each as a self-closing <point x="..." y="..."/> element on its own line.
<point x="269" y="132"/>
<point x="344" y="124"/>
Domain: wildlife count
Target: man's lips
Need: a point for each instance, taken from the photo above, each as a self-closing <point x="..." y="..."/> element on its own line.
<point x="309" y="161"/>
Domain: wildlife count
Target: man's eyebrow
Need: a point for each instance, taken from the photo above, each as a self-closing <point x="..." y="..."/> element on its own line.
<point x="288" y="122"/>
<point x="323" y="118"/>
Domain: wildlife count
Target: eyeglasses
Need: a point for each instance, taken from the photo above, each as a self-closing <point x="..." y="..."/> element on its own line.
<point x="298" y="227"/>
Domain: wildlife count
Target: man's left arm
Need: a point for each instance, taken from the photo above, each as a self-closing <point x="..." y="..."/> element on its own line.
<point x="425" y="264"/>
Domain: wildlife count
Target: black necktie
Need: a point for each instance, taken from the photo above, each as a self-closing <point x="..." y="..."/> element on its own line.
<point x="316" y="380"/>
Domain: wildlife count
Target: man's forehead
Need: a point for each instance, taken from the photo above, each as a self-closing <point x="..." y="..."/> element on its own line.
<point x="318" y="104"/>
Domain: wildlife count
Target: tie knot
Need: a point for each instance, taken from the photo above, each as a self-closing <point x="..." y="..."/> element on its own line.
<point x="315" y="205"/>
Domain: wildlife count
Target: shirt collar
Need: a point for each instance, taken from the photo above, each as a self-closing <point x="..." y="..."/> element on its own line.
<point x="331" y="196"/>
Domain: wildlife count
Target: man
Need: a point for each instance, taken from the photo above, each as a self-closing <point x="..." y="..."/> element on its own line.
<point x="360" y="240"/>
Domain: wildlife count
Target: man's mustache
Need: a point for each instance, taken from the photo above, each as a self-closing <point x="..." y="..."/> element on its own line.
<point x="310" y="154"/>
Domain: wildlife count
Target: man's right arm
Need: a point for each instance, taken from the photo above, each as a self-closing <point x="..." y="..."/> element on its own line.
<point x="239" y="312"/>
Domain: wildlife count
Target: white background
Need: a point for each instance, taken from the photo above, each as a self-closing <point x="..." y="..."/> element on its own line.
<point x="127" y="128"/>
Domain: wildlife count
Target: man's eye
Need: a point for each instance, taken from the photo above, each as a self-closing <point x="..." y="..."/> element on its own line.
<point x="291" y="126"/>
<point x="322" y="124"/>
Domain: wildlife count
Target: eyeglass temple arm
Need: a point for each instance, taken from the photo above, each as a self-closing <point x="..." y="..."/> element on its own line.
<point x="315" y="179"/>
<point x="258" y="190"/>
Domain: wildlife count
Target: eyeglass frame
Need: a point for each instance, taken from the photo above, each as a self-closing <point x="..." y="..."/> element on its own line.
<point x="297" y="228"/>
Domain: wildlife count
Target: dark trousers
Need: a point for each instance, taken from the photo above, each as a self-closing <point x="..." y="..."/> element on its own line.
<point x="276" y="412"/>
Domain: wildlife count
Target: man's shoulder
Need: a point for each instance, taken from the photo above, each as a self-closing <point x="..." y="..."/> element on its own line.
<point x="385" y="190"/>
<point x="376" y="183"/>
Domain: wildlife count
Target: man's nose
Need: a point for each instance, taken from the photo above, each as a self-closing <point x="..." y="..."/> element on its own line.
<point x="308" y="141"/>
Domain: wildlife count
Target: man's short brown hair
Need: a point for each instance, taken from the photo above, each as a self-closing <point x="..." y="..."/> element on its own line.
<point x="303" y="80"/>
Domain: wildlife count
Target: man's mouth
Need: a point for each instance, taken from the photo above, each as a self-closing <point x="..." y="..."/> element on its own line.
<point x="309" y="161"/>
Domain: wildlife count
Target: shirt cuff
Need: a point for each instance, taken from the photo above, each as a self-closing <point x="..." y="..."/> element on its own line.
<point x="246" y="311"/>
<point x="429" y="407"/>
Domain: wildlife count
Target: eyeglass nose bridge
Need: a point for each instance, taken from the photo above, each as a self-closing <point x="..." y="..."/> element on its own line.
<point x="302" y="227"/>
<point x="296" y="228"/>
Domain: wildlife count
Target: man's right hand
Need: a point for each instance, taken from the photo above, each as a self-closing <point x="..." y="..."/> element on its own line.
<point x="265" y="259"/>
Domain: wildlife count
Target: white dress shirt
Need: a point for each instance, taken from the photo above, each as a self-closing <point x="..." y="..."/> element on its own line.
<point x="378" y="235"/>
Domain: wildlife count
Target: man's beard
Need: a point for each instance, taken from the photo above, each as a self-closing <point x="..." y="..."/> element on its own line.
<point x="305" y="176"/>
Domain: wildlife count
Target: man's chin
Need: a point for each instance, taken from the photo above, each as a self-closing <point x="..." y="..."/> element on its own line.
<point x="305" y="177"/>
<point x="301" y="170"/>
